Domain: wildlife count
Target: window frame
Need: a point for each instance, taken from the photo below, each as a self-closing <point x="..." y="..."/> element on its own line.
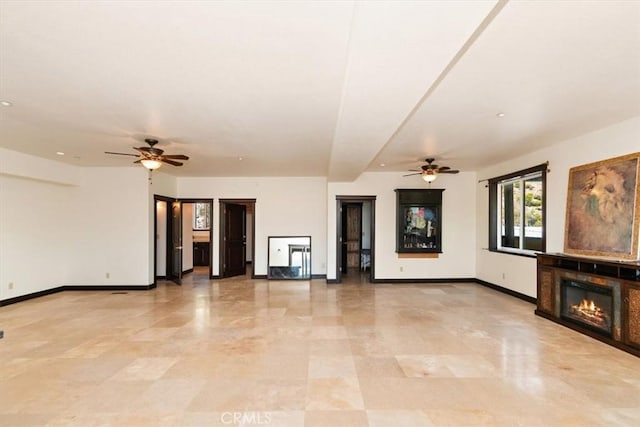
<point x="495" y="209"/>
<point x="195" y="216"/>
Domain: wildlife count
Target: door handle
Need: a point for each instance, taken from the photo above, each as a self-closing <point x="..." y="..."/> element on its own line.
<point x="178" y="248"/>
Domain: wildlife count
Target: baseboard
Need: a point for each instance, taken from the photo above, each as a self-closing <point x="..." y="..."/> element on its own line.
<point x="434" y="280"/>
<point x="55" y="290"/>
<point x="188" y="271"/>
<point x="161" y="277"/>
<point x="498" y="288"/>
<point x="33" y="295"/>
<point x="215" y="277"/>
<point x="249" y="262"/>
<point x="51" y="291"/>
<point x="109" y="287"/>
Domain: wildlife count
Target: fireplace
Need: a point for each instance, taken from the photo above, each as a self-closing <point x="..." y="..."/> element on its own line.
<point x="596" y="297"/>
<point x="588" y="305"/>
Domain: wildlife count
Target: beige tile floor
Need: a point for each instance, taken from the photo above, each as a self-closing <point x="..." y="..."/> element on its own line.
<point x="294" y="353"/>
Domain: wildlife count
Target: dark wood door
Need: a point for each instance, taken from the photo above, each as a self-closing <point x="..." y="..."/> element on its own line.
<point x="175" y="266"/>
<point x="235" y="240"/>
<point x="354" y="221"/>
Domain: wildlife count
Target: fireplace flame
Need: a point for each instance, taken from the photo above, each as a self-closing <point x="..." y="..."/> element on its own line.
<point x="588" y="306"/>
<point x="589" y="311"/>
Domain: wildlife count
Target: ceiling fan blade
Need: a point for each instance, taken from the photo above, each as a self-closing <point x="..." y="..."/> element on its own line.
<point x="171" y="162"/>
<point x="413" y="170"/>
<point x="120" y="154"/>
<point x="419" y="173"/>
<point x="176" y="156"/>
<point x="449" y="171"/>
<point x="444" y="168"/>
<point x="138" y="161"/>
<point x="143" y="149"/>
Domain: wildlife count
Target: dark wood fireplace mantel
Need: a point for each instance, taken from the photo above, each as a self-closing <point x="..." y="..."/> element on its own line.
<point x="621" y="278"/>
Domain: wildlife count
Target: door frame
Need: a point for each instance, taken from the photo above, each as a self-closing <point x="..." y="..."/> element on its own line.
<point x="222" y="231"/>
<point x="169" y="200"/>
<point x="210" y="202"/>
<point x="341" y="201"/>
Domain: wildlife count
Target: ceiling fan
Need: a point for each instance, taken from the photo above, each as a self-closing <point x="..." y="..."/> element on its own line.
<point x="430" y="171"/>
<point x="151" y="157"/>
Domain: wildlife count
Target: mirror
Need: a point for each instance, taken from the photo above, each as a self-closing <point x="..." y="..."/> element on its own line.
<point x="289" y="257"/>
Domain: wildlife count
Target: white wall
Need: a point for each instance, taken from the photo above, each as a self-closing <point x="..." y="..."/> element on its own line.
<point x="35" y="248"/>
<point x="520" y="272"/>
<point x="62" y="224"/>
<point x="187" y="236"/>
<point x="112" y="229"/>
<point x="22" y="165"/>
<point x="458" y="225"/>
<point x="284" y="207"/>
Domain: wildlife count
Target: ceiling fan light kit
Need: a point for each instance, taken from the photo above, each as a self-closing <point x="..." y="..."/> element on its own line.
<point x="429" y="176"/>
<point x="430" y="172"/>
<point x="151" y="164"/>
<point x="152" y="158"/>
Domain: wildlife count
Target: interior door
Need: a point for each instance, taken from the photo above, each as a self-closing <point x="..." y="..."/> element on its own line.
<point x="176" y="242"/>
<point x="354" y="221"/>
<point x="235" y="240"/>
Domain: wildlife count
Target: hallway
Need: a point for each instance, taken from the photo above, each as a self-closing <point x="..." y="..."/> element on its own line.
<point x="305" y="353"/>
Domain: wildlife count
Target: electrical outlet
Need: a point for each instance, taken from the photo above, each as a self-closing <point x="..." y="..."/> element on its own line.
<point x="10" y="285"/>
<point x="107" y="275"/>
<point x="504" y="276"/>
<point x="401" y="269"/>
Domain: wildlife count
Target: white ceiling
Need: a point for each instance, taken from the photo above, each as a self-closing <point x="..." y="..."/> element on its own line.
<point x="329" y="88"/>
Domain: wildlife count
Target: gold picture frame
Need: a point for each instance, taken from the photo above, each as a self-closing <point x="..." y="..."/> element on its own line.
<point x="602" y="216"/>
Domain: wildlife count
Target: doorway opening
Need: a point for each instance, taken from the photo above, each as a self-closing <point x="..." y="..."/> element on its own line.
<point x="167" y="248"/>
<point x="355" y="243"/>
<point x="197" y="236"/>
<point x="237" y="237"/>
<point x="175" y="236"/>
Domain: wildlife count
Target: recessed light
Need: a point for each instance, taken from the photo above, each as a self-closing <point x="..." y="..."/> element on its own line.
<point x="59" y="153"/>
<point x="240" y="158"/>
<point x="382" y="165"/>
<point x="500" y="114"/>
<point x="5" y="103"/>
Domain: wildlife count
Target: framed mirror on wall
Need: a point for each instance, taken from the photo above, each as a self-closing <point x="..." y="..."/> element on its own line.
<point x="289" y="257"/>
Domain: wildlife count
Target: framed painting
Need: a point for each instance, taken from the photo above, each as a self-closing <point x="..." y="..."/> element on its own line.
<point x="602" y="215"/>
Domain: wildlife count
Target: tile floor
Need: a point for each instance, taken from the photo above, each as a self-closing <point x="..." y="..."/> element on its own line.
<point x="300" y="353"/>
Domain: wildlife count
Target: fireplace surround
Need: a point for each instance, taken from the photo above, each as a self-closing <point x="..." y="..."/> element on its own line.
<point x="596" y="297"/>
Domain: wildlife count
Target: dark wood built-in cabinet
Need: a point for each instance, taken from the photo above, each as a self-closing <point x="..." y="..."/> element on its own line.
<point x="418" y="220"/>
<point x="569" y="285"/>
<point x="201" y="253"/>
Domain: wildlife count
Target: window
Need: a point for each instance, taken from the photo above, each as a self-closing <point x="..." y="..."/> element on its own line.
<point x="517" y="211"/>
<point x="201" y="216"/>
